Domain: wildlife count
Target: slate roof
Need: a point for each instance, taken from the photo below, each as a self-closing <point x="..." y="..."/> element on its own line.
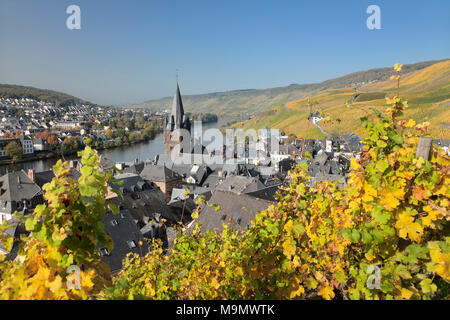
<point x="265" y="171"/>
<point x="183" y="209"/>
<point x="267" y="193"/>
<point x="321" y="159"/>
<point x="177" y="114"/>
<point x="178" y="194"/>
<point x="43" y="177"/>
<point x="237" y="210"/>
<point x="211" y="181"/>
<point x="121" y="232"/>
<point x="135" y="168"/>
<point x="240" y="184"/>
<point x="17" y="186"/>
<point x="131" y="183"/>
<point x="182" y="169"/>
<point x="164" y="159"/>
<point x="288" y="149"/>
<point x="145" y="204"/>
<point x="199" y="173"/>
<point x="231" y="168"/>
<point x="159" y="174"/>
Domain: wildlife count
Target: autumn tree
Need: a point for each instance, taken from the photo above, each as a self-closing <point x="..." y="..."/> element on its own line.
<point x="70" y="144"/>
<point x="14" y="150"/>
<point x="53" y="141"/>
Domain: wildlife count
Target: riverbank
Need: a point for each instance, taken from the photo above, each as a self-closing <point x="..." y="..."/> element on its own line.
<point x="51" y="154"/>
<point x="143" y="150"/>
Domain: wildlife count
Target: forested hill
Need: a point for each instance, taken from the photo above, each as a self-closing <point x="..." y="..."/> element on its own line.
<point x="240" y="103"/>
<point x="58" y="98"/>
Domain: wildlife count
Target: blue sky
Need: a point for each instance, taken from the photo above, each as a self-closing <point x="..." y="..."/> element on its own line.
<point x="128" y="51"/>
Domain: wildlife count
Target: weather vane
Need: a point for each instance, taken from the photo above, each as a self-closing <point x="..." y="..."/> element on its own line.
<point x="177" y="75"/>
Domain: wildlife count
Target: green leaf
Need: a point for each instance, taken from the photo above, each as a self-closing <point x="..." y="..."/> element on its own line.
<point x="30" y="224"/>
<point x="355" y="236"/>
<point x="367" y="237"/>
<point x="113" y="208"/>
<point x="381" y="216"/>
<point x="428" y="286"/>
<point x="299" y="229"/>
<point x="382" y="165"/>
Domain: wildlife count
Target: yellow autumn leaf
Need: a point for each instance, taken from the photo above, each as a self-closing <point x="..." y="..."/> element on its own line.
<point x="411" y="123"/>
<point x="288" y="248"/>
<point x="369" y="255"/>
<point x="215" y="284"/>
<point x="297" y="292"/>
<point x="389" y="201"/>
<point x="406" y="294"/>
<point x="326" y="292"/>
<point x="56" y="284"/>
<point x="86" y="280"/>
<point x="408" y="228"/>
<point x="431" y="216"/>
<point x="399" y="193"/>
<point x="398" y="67"/>
<point x="441" y="260"/>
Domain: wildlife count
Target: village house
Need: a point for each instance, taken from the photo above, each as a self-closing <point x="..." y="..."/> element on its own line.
<point x="164" y="178"/>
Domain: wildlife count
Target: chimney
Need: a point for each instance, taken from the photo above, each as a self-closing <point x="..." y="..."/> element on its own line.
<point x="230" y="187"/>
<point x="31" y="174"/>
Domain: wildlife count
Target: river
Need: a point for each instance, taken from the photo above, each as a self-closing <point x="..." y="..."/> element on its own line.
<point x="143" y="151"/>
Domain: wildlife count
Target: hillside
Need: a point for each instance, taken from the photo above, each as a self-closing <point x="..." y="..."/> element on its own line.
<point x="58" y="98"/>
<point x="427" y="91"/>
<point x="239" y="104"/>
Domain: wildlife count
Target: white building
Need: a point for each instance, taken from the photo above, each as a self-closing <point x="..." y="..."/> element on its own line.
<point x="27" y="145"/>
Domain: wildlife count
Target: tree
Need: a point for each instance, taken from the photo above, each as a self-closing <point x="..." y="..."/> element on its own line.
<point x="135" y="136"/>
<point x="70" y="144"/>
<point x="14" y="150"/>
<point x="53" y="141"/>
<point x="45" y="135"/>
<point x="109" y="134"/>
<point x="118" y="141"/>
<point x="64" y="232"/>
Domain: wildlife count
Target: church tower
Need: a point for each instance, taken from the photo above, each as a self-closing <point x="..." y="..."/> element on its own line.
<point x="176" y="120"/>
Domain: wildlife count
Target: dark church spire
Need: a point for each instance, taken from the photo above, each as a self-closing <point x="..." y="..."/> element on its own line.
<point x="177" y="115"/>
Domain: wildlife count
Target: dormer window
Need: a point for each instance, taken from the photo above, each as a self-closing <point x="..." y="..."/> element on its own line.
<point x="114" y="223"/>
<point x="131" y="244"/>
<point x="104" y="252"/>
